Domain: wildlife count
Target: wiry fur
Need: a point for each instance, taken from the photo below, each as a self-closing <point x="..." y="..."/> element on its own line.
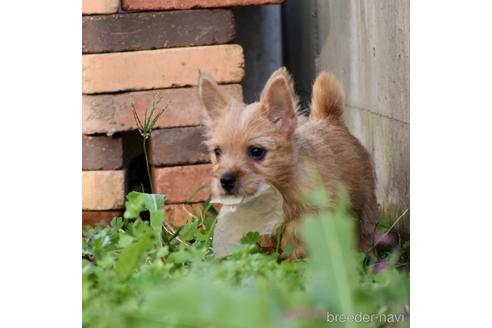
<point x="294" y="148"/>
<point x="327" y="98"/>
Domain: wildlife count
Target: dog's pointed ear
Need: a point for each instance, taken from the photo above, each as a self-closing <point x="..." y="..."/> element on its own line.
<point x="214" y="101"/>
<point x="279" y="101"/>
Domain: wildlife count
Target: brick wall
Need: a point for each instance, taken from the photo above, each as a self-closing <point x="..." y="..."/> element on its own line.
<point x="133" y="52"/>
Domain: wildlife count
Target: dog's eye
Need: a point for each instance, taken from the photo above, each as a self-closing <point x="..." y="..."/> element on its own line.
<point x="217" y="152"/>
<point x="256" y="153"/>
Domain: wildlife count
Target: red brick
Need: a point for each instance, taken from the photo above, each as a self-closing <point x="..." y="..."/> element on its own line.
<point x="189" y="4"/>
<point x="178" y="214"/>
<point x="99" y="6"/>
<point x="181" y="182"/>
<point x="111" y="113"/>
<point x="163" y="68"/>
<point x="94" y="217"/>
<point x="155" y="30"/>
<point x="102" y="153"/>
<point x="103" y="190"/>
<point x="178" y="146"/>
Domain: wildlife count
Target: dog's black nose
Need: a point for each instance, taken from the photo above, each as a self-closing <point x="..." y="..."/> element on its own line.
<point x="228" y="180"/>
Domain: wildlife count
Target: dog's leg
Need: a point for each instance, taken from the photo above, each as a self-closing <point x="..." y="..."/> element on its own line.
<point x="290" y="236"/>
<point x="367" y="224"/>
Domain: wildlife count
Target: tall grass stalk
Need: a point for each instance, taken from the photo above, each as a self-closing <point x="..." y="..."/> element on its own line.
<point x="150" y="119"/>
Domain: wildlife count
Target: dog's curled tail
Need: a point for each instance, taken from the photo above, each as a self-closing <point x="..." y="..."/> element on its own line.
<point x="327" y="98"/>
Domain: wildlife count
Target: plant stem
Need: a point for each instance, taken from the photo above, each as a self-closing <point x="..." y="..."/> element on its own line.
<point x="147" y="165"/>
<point x="145" y="130"/>
<point x="389" y="230"/>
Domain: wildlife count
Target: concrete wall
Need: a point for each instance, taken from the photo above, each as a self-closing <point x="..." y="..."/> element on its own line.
<point x="366" y="44"/>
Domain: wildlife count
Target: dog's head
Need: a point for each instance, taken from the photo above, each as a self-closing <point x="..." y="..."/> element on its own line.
<point x="249" y="144"/>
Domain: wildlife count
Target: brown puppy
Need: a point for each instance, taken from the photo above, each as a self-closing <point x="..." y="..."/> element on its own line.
<point x="267" y="142"/>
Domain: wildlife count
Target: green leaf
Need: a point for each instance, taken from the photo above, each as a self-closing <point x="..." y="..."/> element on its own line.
<point x="125" y="240"/>
<point x="134" y="205"/>
<point x="383" y="225"/>
<point x="189" y="231"/>
<point x="180" y="257"/>
<point x="162" y="252"/>
<point x="251" y="238"/>
<point x="131" y="255"/>
<point x="138" y="202"/>
<point x="331" y="274"/>
<point x="156" y="221"/>
<point x="116" y="222"/>
<point x="153" y="202"/>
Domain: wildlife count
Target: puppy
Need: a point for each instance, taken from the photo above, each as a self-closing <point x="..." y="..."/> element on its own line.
<point x="267" y="142"/>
